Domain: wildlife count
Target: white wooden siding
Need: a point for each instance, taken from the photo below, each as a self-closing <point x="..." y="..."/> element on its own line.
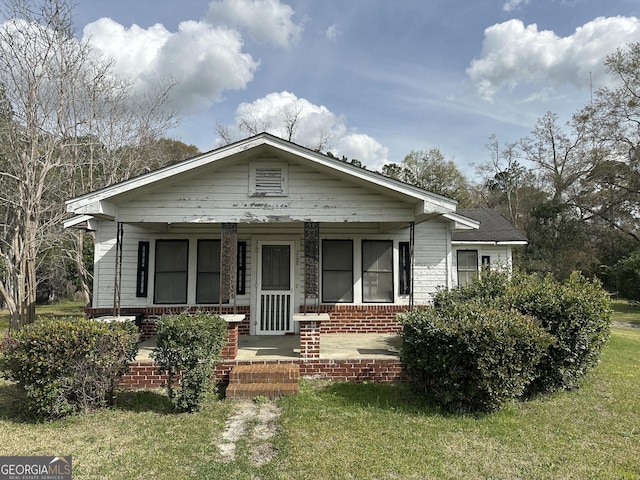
<point x="430" y="263"/>
<point x="223" y="196"/>
<point x="501" y="256"/>
<point x="431" y="258"/>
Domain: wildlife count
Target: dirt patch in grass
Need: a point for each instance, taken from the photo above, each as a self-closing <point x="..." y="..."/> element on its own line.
<point x="256" y="423"/>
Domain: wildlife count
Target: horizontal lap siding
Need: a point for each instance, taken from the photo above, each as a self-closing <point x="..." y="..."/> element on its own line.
<point x="431" y="256"/>
<point x="223" y="197"/>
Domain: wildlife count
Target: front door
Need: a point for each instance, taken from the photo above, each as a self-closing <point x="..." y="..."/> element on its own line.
<point x="275" y="287"/>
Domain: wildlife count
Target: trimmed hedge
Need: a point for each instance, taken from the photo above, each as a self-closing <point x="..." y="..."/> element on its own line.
<point x="576" y="312"/>
<point x="188" y="347"/>
<point x="68" y="365"/>
<point x="470" y="356"/>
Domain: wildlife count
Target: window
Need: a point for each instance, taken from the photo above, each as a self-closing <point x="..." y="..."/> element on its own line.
<point x="208" y="273"/>
<point x="405" y="268"/>
<point x="142" y="277"/>
<point x="276" y="267"/>
<point x="467" y="266"/>
<point x="486" y="261"/>
<point x="172" y="259"/>
<point x="377" y="271"/>
<point x="337" y="271"/>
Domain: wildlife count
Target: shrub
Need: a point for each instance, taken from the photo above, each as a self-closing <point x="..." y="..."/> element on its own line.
<point x="188" y="347"/>
<point x="68" y="365"/>
<point x="471" y="357"/>
<point x="577" y="313"/>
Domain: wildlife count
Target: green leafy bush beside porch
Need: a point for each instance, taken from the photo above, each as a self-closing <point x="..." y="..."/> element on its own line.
<point x="68" y="365"/>
<point x="188" y="347"/>
<point x="471" y="356"/>
<point x="466" y="321"/>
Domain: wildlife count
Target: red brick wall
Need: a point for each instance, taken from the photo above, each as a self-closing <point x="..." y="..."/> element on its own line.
<point x="148" y="326"/>
<point x="377" y="370"/>
<point x="359" y="318"/>
<point x="343" y="318"/>
<point x="144" y="374"/>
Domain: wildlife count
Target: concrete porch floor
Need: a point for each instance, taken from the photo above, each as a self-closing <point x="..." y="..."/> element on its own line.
<point x="287" y="347"/>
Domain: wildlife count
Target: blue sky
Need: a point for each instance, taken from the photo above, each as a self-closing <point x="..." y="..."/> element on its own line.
<point x="377" y="78"/>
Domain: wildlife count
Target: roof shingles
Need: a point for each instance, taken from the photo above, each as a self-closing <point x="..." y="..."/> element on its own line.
<point x="493" y="227"/>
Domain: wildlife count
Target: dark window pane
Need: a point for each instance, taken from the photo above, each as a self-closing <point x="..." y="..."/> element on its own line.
<point x="172" y="258"/>
<point x="377" y="271"/>
<point x="208" y="274"/>
<point x="276" y="267"/>
<point x="337" y="271"/>
<point x="467" y="266"/>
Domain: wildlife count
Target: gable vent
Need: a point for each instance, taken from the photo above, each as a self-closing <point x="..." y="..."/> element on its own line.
<point x="268" y="179"/>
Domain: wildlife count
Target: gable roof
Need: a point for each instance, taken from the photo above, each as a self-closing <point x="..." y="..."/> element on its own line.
<point x="102" y="203"/>
<point x="494" y="229"/>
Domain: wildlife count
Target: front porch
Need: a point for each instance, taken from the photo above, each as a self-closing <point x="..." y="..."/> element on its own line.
<point x="348" y="357"/>
<point x="337" y="346"/>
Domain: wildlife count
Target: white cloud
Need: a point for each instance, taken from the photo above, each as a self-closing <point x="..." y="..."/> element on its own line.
<point x="265" y="21"/>
<point x="205" y="60"/>
<point x="332" y="33"/>
<point x="364" y="148"/>
<point x="511" y="5"/>
<point x="314" y="124"/>
<point x="513" y="53"/>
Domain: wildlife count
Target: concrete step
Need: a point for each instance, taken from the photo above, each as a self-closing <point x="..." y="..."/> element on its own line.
<point x="264" y="373"/>
<point x="249" y="391"/>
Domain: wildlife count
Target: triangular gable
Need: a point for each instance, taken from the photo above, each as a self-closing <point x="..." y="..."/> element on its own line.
<point x="100" y="203"/>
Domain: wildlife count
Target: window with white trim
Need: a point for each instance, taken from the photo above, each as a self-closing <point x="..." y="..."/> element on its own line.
<point x="467" y="266"/>
<point x="208" y="272"/>
<point x="377" y="271"/>
<point x="337" y="271"/>
<point x="171" y="271"/>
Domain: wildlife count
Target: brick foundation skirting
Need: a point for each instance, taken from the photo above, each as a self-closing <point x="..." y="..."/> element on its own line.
<point x="144" y="374"/>
<point x="342" y="318"/>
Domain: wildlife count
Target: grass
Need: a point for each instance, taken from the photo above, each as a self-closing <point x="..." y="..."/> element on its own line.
<point x="65" y="308"/>
<point x="377" y="431"/>
<point x="360" y="431"/>
<point x="625" y="312"/>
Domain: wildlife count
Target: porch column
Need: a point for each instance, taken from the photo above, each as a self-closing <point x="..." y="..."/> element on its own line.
<point x="309" y="339"/>
<point x="228" y="263"/>
<point x="310" y="333"/>
<point x="230" y="350"/>
<point x="311" y="263"/>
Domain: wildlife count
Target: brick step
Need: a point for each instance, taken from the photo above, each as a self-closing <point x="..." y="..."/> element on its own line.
<point x="248" y="391"/>
<point x="264" y="373"/>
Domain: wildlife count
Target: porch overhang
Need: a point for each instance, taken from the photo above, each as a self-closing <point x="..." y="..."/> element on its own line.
<point x="490" y="243"/>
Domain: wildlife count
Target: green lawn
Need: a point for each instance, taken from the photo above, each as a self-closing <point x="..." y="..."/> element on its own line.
<point x="60" y="309"/>
<point x="359" y="431"/>
<point x="623" y="311"/>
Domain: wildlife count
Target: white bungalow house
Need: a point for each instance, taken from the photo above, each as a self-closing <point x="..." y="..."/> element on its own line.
<point x="276" y="237"/>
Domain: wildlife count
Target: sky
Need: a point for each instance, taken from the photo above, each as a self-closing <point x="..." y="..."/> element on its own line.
<point x="378" y="78"/>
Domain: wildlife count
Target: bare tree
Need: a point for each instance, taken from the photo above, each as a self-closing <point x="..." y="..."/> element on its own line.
<point x="503" y="180"/>
<point x="73" y="127"/>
